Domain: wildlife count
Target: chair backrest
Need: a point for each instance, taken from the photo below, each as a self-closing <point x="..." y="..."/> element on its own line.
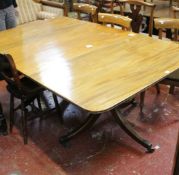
<point x="102" y="5"/>
<point x="27" y="11"/>
<point x="106" y="6"/>
<point x="8" y="70"/>
<point x="107" y="18"/>
<point x="50" y="3"/>
<point x="91" y="10"/>
<point x="135" y="8"/>
<point x="168" y="23"/>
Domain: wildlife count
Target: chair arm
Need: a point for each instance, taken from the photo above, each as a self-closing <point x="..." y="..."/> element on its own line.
<point x="53" y="4"/>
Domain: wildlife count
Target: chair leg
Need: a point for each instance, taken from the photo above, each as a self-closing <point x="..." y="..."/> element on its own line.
<point x="60" y="108"/>
<point x="39" y="103"/>
<point x="24" y="122"/>
<point x="171" y="90"/>
<point x="142" y="97"/>
<point x="11" y="120"/>
<point x="157" y="88"/>
<point x="57" y="107"/>
<point x="40" y="106"/>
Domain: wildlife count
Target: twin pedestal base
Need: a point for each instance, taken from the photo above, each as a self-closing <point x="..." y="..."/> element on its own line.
<point x="121" y="121"/>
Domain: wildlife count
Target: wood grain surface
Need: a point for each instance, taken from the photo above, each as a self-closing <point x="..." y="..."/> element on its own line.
<point x="93" y="66"/>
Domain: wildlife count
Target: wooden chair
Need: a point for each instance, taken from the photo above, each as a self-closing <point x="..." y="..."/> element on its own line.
<point x="135" y="8"/>
<point x="26" y="90"/>
<point x="103" y="5"/>
<point x="83" y="8"/>
<point x="57" y="5"/>
<point x="169" y="23"/>
<point x="107" y="6"/>
<point x="21" y="88"/>
<point x="113" y="19"/>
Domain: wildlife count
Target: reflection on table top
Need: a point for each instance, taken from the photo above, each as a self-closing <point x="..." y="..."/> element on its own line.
<point x="92" y="66"/>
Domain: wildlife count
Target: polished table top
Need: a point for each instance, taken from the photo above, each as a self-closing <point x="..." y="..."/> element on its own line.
<point x="90" y="65"/>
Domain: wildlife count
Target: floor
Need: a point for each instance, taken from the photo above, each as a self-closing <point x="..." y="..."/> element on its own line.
<point x="176" y="171"/>
<point x="103" y="150"/>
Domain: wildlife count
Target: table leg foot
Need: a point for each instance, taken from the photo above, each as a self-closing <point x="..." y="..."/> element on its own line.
<point x="91" y="119"/>
<point x="124" y="124"/>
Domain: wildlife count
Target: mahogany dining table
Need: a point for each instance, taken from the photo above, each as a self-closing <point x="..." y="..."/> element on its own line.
<point x="95" y="67"/>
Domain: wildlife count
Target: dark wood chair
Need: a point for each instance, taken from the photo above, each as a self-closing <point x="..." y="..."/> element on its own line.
<point x="88" y="9"/>
<point x="27" y="91"/>
<point x="169" y="23"/>
<point x="133" y="9"/>
<point x="21" y="88"/>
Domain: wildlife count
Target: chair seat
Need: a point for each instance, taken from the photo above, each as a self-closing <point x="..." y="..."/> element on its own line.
<point x="30" y="89"/>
